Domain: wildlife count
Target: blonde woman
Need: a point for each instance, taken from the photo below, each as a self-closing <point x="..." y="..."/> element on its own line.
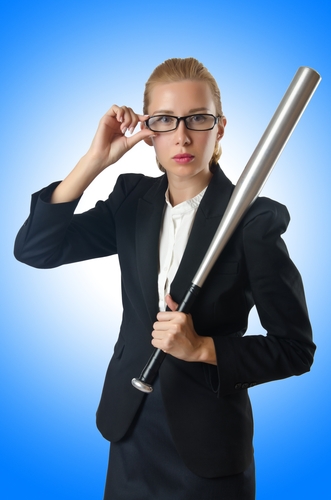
<point x="192" y="437"/>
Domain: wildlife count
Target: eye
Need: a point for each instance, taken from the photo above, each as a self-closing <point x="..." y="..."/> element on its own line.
<point x="162" y="123"/>
<point x="165" y="120"/>
<point x="197" y="119"/>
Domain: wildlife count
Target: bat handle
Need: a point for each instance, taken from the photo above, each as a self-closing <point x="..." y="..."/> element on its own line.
<point x="144" y="382"/>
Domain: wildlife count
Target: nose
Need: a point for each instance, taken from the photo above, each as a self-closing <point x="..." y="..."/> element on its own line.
<point x="182" y="134"/>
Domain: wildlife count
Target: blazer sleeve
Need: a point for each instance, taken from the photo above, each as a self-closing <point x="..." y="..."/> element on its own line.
<point x="277" y="291"/>
<point x="53" y="235"/>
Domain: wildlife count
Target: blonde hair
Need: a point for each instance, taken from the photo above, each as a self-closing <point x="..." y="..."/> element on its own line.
<point x="176" y="70"/>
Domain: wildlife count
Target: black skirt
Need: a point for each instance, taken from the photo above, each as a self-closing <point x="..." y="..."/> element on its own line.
<point x="145" y="465"/>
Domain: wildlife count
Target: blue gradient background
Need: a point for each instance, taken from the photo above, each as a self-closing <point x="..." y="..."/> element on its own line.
<point x="63" y="65"/>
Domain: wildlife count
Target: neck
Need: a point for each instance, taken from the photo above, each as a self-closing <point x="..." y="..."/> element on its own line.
<point x="185" y="189"/>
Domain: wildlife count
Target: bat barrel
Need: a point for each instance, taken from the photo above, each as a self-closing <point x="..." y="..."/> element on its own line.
<point x="261" y="163"/>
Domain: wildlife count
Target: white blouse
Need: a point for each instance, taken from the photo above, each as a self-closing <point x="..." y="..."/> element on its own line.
<point x="175" y="230"/>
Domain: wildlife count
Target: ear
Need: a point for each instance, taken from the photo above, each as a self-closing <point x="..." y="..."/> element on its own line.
<point x="221" y="126"/>
<point x="149" y="140"/>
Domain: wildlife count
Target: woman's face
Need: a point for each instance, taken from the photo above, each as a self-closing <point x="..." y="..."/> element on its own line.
<point x="185" y="153"/>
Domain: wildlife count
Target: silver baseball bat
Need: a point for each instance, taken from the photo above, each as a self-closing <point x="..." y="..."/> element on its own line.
<point x="247" y="189"/>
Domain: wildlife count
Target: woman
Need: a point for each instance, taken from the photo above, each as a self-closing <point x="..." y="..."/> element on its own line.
<point x="192" y="437"/>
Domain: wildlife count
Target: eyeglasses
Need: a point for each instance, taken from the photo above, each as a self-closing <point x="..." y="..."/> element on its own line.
<point x="167" y="123"/>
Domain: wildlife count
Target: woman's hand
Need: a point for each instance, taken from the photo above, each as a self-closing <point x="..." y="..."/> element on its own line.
<point x="109" y="145"/>
<point x="174" y="334"/>
<point x="110" y="142"/>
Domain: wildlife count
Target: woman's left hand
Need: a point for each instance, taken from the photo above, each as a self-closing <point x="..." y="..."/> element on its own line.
<point x="174" y="334"/>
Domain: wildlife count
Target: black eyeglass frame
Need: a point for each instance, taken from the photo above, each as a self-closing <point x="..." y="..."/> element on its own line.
<point x="179" y="118"/>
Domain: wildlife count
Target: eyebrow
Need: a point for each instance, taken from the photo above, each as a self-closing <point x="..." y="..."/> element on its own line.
<point x="169" y="112"/>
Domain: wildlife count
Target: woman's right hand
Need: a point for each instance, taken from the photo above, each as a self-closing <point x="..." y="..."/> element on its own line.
<point x="110" y="142"/>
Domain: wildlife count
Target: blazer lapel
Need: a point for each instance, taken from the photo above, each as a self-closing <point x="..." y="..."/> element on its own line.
<point x="207" y="219"/>
<point x="148" y="223"/>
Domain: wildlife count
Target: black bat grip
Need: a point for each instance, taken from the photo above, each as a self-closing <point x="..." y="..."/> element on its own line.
<point x="144" y="381"/>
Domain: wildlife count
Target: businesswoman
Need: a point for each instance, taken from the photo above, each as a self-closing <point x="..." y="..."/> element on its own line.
<point x="192" y="437"/>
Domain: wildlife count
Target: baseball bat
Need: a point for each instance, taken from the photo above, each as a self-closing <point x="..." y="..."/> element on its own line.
<point x="248" y="187"/>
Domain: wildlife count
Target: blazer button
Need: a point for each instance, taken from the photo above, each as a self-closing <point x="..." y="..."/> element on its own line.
<point x="245" y="385"/>
<point x="237" y="386"/>
<point x="252" y="384"/>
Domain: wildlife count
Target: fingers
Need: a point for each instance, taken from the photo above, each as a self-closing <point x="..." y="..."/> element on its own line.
<point x="165" y="335"/>
<point x="173" y="306"/>
<point x="126" y="117"/>
<point x="139" y="136"/>
<point x="110" y="142"/>
<point x="167" y="328"/>
<point x="168" y="321"/>
<point x="174" y="333"/>
<point x="123" y="119"/>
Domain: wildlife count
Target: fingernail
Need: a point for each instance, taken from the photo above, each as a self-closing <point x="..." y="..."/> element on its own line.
<point x="131" y="129"/>
<point x="124" y="130"/>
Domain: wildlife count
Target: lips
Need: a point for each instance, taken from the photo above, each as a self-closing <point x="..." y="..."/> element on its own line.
<point x="183" y="158"/>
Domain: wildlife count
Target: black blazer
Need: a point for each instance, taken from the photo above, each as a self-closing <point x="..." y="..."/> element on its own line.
<point x="207" y="407"/>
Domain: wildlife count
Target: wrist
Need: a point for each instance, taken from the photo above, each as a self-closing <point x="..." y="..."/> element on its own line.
<point x="207" y="351"/>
